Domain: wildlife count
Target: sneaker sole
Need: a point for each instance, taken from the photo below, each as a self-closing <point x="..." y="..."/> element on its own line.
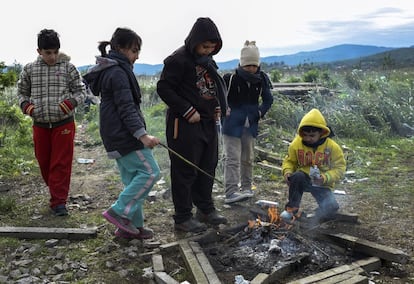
<point x="59" y="213"/>
<point x="114" y="221"/>
<point x="241" y="198"/>
<point x="196" y="230"/>
<point x="129" y="236"/>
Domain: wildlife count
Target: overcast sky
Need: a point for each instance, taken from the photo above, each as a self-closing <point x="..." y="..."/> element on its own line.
<point x="279" y="27"/>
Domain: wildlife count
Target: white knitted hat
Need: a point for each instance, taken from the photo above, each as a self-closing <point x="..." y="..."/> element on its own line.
<point x="249" y="54"/>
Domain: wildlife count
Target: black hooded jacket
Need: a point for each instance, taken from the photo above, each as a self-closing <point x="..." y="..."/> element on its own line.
<point x="177" y="85"/>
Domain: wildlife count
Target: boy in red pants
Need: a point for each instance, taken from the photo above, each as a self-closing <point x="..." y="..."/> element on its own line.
<point x="49" y="89"/>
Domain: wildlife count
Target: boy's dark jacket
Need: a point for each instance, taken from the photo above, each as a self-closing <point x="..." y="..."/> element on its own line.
<point x="177" y="85"/>
<point x="121" y="119"/>
<point x="244" y="101"/>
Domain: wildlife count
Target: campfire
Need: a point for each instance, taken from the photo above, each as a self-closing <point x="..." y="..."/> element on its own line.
<point x="267" y="250"/>
<point x="268" y="244"/>
<point x="274" y="221"/>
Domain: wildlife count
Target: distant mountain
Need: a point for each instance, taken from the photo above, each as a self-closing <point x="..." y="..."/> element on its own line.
<point x="330" y="54"/>
<point x="335" y="53"/>
<point x="397" y="58"/>
<point x="147" y="69"/>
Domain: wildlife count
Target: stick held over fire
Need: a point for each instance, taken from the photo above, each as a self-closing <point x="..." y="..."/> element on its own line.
<point x="191" y="163"/>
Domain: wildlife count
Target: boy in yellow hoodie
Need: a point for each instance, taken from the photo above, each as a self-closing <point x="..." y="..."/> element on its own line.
<point x="314" y="164"/>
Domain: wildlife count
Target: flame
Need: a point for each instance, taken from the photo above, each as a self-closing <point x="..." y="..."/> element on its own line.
<point x="273" y="214"/>
<point x="251" y="223"/>
<point x="275" y="220"/>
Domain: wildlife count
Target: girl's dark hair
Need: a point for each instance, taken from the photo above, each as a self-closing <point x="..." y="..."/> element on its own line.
<point x="121" y="38"/>
<point x="48" y="39"/>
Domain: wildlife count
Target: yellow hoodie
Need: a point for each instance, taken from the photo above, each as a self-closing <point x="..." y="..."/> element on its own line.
<point x="328" y="156"/>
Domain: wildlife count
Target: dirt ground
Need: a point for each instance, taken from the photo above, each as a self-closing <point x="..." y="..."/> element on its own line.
<point x="97" y="183"/>
<point x="380" y="220"/>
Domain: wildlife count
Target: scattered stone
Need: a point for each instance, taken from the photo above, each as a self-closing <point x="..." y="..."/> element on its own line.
<point x="51" y="243"/>
<point x="123" y="273"/>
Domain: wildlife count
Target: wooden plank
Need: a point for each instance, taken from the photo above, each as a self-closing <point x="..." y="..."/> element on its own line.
<point x="328" y="273"/>
<point x="168" y="247"/>
<point x="157" y="263"/>
<point x="284" y="268"/>
<point x="271" y="157"/>
<point x="339" y="216"/>
<point x="163" y="278"/>
<point x="346" y="217"/>
<point x="356" y="279"/>
<point x="261" y="278"/>
<point x="371" y="248"/>
<point x="339" y="278"/>
<point x="48" y="233"/>
<point x="369" y="264"/>
<point x="269" y="166"/>
<point x="204" y="263"/>
<point x="192" y="263"/>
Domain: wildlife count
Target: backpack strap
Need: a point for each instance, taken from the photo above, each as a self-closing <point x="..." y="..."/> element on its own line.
<point x="230" y="81"/>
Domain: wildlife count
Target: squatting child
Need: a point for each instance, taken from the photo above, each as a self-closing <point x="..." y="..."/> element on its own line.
<point x="314" y="163"/>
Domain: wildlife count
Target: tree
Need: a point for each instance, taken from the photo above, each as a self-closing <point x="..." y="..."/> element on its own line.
<point x="8" y="76"/>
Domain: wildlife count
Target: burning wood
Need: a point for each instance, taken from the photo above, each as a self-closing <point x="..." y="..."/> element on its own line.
<point x="274" y="219"/>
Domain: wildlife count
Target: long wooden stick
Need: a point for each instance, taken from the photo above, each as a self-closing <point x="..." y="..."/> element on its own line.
<point x="191" y="164"/>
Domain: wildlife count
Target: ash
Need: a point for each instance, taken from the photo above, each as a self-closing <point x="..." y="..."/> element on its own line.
<point x="266" y="250"/>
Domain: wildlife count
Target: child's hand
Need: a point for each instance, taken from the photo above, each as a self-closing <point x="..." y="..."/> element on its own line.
<point x="149" y="141"/>
<point x="287" y="179"/>
<point x="194" y="118"/>
<point x="67" y="106"/>
<point x="28" y="108"/>
<point x="318" y="180"/>
<point x="228" y="111"/>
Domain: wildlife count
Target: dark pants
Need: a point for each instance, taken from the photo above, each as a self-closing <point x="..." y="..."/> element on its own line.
<point x="299" y="183"/>
<point x="197" y="143"/>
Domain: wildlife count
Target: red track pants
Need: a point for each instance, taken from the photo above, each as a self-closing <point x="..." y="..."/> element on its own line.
<point x="54" y="152"/>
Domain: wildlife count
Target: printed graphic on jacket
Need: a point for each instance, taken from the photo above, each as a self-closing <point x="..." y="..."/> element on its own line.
<point x="309" y="158"/>
<point x="205" y="84"/>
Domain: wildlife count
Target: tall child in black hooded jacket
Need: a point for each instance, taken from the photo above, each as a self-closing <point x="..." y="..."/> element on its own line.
<point x="195" y="95"/>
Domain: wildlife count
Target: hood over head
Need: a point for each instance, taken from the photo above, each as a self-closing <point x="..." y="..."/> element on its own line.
<point x="63" y="57"/>
<point x="204" y="29"/>
<point x="316" y="119"/>
<point x="92" y="77"/>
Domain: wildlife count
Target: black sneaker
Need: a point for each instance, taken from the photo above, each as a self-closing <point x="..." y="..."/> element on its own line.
<point x="212" y="218"/>
<point x="326" y="214"/>
<point x="60" y="210"/>
<point x="191" y="225"/>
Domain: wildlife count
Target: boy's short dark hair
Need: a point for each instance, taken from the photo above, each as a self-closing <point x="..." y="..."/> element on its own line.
<point x="310" y="129"/>
<point x="48" y="39"/>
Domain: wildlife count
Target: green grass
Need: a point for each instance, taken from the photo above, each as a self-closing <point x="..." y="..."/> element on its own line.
<point x="360" y="118"/>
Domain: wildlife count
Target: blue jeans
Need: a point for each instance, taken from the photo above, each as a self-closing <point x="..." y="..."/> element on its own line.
<point x="299" y="183"/>
<point x="139" y="171"/>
